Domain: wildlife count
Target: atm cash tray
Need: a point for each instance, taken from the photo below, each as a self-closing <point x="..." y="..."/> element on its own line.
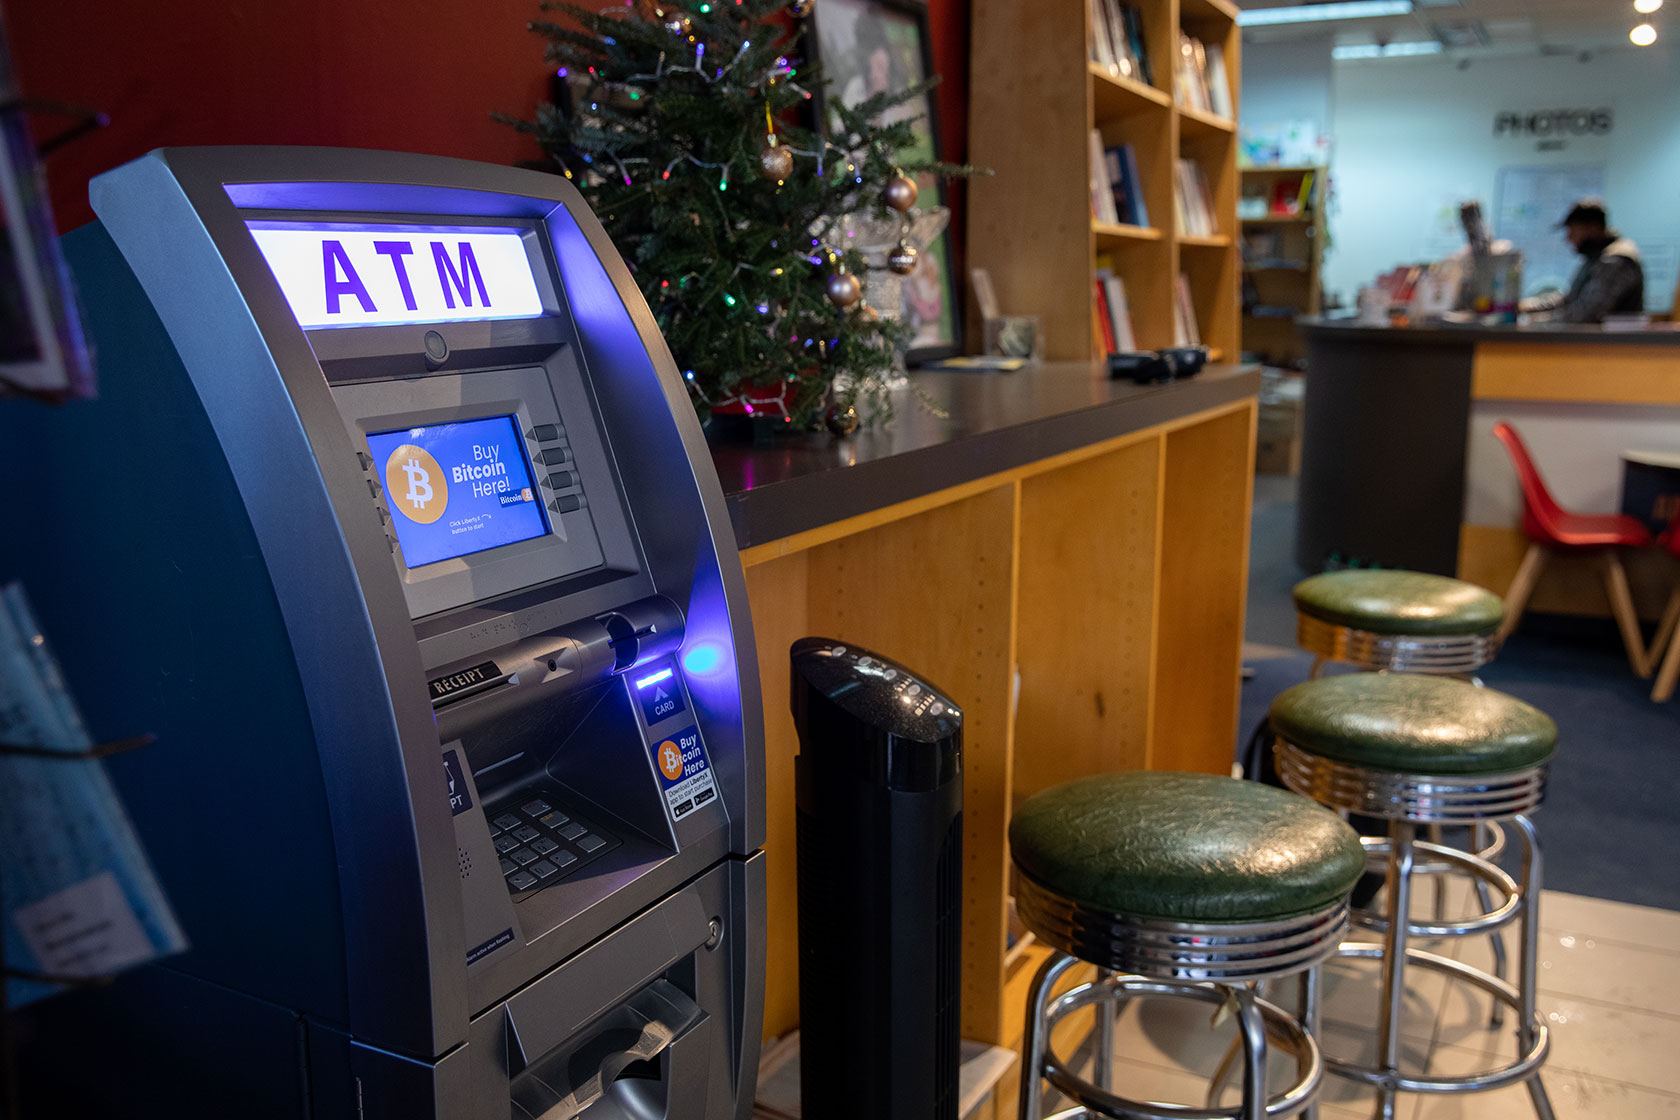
<point x="542" y="840"/>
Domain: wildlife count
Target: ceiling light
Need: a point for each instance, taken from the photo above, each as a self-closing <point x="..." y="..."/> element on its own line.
<point x="1646" y="7"/>
<point x="1643" y="35"/>
<point x="1320" y="13"/>
<point x="1387" y="50"/>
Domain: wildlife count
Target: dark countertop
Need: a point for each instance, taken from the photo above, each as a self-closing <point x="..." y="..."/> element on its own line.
<point x="1437" y="333"/>
<point x="996" y="421"/>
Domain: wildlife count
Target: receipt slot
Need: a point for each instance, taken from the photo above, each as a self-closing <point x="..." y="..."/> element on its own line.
<point x="394" y="524"/>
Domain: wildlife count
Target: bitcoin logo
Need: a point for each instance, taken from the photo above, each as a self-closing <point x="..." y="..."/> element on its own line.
<point x="415" y="485"/>
<point x="670" y="760"/>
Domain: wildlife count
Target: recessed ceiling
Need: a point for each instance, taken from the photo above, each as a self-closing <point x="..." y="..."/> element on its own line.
<point x="1472" y="27"/>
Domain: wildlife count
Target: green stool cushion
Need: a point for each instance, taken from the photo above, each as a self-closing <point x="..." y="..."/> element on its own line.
<point x="1413" y="603"/>
<point x="1411" y="724"/>
<point x="1185" y="847"/>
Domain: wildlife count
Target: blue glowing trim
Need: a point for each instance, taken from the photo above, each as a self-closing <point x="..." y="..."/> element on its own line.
<point x="703" y="659"/>
<point x="653" y="679"/>
<point x="353" y="274"/>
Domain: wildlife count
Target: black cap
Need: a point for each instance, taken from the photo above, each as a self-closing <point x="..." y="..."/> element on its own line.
<point x="1587" y="212"/>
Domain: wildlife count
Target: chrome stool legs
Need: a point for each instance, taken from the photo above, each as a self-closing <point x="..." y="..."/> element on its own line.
<point x="1402" y="852"/>
<point x="1260" y="1026"/>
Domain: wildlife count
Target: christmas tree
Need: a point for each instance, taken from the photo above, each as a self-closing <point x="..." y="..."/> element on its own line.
<point x="677" y="124"/>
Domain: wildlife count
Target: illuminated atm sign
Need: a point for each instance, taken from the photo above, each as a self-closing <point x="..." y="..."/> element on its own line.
<point x="344" y="275"/>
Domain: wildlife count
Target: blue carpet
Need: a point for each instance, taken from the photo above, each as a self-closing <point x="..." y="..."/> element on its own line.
<point x="1610" y="826"/>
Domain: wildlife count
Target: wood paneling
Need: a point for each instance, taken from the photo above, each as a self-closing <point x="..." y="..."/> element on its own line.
<point x="1208" y="477"/>
<point x="1112" y="576"/>
<point x="778" y="592"/>
<point x="1086" y="615"/>
<point x="1585" y="372"/>
<point x="936" y="592"/>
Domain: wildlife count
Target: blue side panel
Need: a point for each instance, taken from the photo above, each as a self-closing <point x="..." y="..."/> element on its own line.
<point x="126" y="527"/>
<point x="119" y="1052"/>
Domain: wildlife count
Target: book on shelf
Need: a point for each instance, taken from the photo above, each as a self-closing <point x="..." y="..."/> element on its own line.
<point x="1105" y="322"/>
<point x="1219" y="82"/>
<point x="1102" y="192"/>
<point x="1193" y="200"/>
<point x="1185" y="329"/>
<point x="1116" y="187"/>
<point x="1200" y="79"/>
<point x="1118" y="333"/>
<point x="1116" y="38"/>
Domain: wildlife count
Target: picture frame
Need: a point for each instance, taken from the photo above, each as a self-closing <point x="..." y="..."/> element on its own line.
<point x="863" y="47"/>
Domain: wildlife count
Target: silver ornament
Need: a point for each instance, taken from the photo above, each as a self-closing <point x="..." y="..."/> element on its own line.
<point x="775" y="162"/>
<point x="900" y="193"/>
<point x="844" y="289"/>
<point x="903" y="259"/>
<point x="841" y="421"/>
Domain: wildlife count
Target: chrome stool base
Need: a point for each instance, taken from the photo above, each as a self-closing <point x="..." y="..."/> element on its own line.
<point x="1407" y="801"/>
<point x="1526" y="1066"/>
<point x="1453" y="655"/>
<point x="1261" y="1025"/>
<point x="1210" y="962"/>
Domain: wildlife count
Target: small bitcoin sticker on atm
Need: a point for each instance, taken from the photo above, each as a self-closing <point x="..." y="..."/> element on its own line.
<point x="685" y="774"/>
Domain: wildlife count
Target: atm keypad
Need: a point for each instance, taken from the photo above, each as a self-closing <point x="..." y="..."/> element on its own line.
<point x="541" y="843"/>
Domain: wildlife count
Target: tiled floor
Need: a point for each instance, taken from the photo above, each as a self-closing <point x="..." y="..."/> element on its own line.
<point x="1609" y="990"/>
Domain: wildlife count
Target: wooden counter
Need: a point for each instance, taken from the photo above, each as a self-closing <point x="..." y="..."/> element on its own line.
<point x="1400" y="466"/>
<point x="1089" y="536"/>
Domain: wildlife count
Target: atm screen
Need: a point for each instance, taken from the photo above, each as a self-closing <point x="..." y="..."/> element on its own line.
<point x="459" y="488"/>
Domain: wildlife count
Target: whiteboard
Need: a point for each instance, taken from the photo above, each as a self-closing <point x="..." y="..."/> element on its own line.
<point x="1529" y="202"/>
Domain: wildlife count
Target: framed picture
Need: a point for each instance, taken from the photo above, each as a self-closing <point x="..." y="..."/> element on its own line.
<point x="865" y="47"/>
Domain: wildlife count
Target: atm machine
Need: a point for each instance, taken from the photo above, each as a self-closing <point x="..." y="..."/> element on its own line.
<point x="393" y="523"/>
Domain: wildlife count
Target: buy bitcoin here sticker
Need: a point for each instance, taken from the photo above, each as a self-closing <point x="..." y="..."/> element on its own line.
<point x="455" y="489"/>
<point x="684" y="772"/>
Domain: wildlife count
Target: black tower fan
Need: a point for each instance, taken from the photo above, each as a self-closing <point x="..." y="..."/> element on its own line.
<point x="879" y="779"/>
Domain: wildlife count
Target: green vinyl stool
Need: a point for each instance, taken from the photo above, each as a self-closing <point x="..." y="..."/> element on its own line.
<point x="1418" y="750"/>
<point x="1180" y="885"/>
<point x="1408" y="622"/>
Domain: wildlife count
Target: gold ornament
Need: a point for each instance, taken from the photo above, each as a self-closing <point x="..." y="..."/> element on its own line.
<point x="802" y="8"/>
<point x="867" y="314"/>
<point x="844" y="290"/>
<point x="903" y="259"/>
<point x="775" y="162"/>
<point x="841" y="421"/>
<point x="900" y="193"/>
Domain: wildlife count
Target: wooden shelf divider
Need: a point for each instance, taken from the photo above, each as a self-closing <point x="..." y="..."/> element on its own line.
<point x="1283" y="257"/>
<point x="1030" y="223"/>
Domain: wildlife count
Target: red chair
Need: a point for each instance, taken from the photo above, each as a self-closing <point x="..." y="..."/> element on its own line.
<point x="1552" y="529"/>
<point x="1666" y="632"/>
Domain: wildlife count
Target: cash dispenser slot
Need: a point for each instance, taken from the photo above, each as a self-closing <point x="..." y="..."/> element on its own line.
<point x="611" y="1033"/>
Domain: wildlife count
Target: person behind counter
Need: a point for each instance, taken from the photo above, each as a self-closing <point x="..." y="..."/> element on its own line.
<point x="1610" y="281"/>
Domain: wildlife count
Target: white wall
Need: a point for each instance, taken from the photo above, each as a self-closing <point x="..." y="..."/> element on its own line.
<point x="1285" y="82"/>
<point x="1415" y="136"/>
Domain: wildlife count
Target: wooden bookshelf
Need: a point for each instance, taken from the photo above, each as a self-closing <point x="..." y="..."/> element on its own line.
<point x="1030" y="223"/>
<point x="1282" y="262"/>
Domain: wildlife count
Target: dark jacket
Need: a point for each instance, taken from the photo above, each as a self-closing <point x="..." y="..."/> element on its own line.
<point x="1609" y="282"/>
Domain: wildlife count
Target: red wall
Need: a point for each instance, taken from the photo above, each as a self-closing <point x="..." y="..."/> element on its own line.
<point x="420" y="77"/>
